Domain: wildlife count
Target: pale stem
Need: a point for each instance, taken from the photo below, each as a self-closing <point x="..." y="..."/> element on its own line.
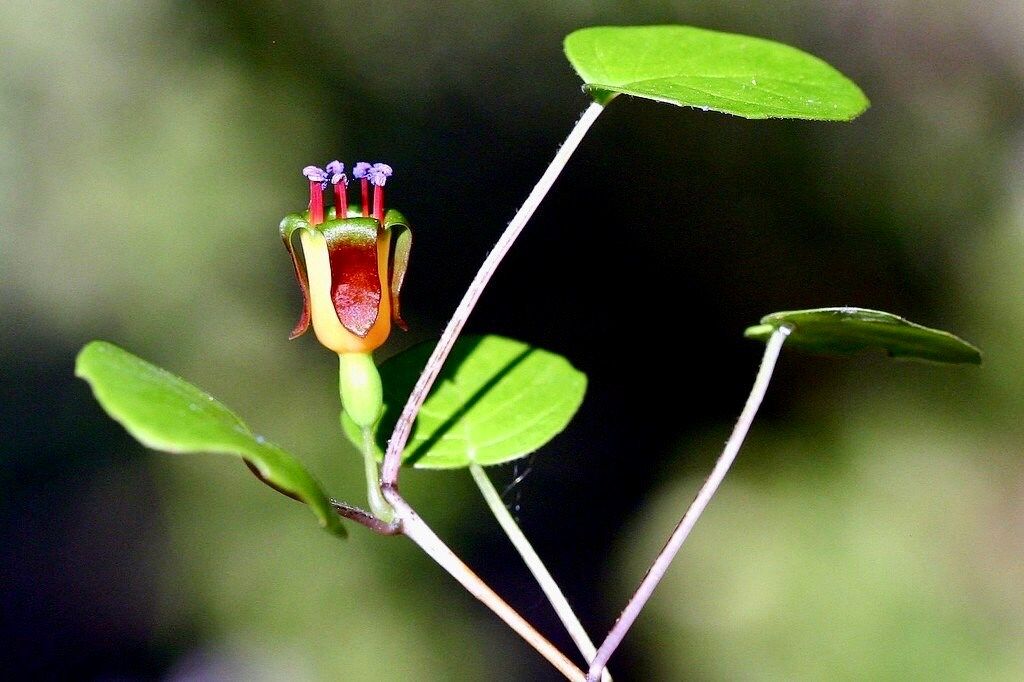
<point x="536" y="566"/>
<point x="704" y="495"/>
<point x="403" y="427"/>
<point x="419" y="532"/>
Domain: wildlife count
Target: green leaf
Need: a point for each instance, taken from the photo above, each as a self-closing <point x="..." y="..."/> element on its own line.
<point x="733" y="74"/>
<point x="496" y="400"/>
<point x="847" y="330"/>
<point x="166" y="413"/>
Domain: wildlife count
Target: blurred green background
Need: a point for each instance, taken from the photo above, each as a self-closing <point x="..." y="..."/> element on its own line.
<point x="874" y="525"/>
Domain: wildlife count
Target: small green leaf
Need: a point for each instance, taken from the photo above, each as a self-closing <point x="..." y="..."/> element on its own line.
<point x="733" y="74"/>
<point x="496" y="400"/>
<point x="845" y="331"/>
<point x="166" y="413"/>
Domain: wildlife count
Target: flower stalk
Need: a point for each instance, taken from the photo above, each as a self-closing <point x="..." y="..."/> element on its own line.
<point x="350" y="274"/>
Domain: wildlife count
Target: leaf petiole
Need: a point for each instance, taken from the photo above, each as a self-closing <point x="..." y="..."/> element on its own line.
<point x="658" y="569"/>
<point x="533" y="561"/>
<point x="403" y="427"/>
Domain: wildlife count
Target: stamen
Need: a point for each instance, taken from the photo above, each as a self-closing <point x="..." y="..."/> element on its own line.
<point x="360" y="171"/>
<point x="317" y="180"/>
<point x="336" y="169"/>
<point x="314" y="173"/>
<point x="379" y="174"/>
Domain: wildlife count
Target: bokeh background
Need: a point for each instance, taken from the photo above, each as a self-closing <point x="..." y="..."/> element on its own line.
<point x="873" y="527"/>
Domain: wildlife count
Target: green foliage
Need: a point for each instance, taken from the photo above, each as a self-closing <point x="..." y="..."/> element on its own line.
<point x="848" y="330"/>
<point x="496" y="400"/>
<point x="166" y="413"/>
<point x="733" y="74"/>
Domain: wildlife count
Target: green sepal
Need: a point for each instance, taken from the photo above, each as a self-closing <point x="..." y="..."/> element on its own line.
<point x="394" y="217"/>
<point x="401" y="246"/>
<point x="164" y="412"/>
<point x="844" y="331"/>
<point x="288" y="227"/>
<point x="292" y="222"/>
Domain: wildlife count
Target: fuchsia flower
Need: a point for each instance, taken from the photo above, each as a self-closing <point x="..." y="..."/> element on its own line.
<point x="353" y="260"/>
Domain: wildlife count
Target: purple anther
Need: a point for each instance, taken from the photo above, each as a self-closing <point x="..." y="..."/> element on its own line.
<point x="315" y="174"/>
<point x="379" y="174"/>
<point x="361" y="170"/>
<point x="336" y="170"/>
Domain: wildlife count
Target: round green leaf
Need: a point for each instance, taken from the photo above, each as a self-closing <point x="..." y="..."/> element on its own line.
<point x="166" y="413"/>
<point x="848" y="330"/>
<point x="733" y="74"/>
<point x="496" y="400"/>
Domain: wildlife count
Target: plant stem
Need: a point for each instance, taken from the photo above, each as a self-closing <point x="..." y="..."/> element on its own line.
<point x="537" y="568"/>
<point x="378" y="505"/>
<point x="700" y="502"/>
<point x="365" y="518"/>
<point x="403" y="426"/>
<point x="419" y="532"/>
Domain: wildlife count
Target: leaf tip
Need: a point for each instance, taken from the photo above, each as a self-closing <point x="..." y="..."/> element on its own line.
<point x="758" y="332"/>
<point x="82" y="359"/>
<point x="862" y="105"/>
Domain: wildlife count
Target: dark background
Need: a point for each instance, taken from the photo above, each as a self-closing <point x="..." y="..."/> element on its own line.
<point x="874" y="525"/>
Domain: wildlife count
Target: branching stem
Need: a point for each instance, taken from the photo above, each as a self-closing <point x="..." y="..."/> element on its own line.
<point x="411" y="524"/>
<point x="704" y="495"/>
<point x="419" y="532"/>
<point x="365" y="518"/>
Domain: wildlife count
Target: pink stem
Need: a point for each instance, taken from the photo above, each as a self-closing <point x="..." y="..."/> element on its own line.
<point x="316" y="203"/>
<point x="340" y="201"/>
<point x="378" y="203"/>
<point x="658" y="569"/>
